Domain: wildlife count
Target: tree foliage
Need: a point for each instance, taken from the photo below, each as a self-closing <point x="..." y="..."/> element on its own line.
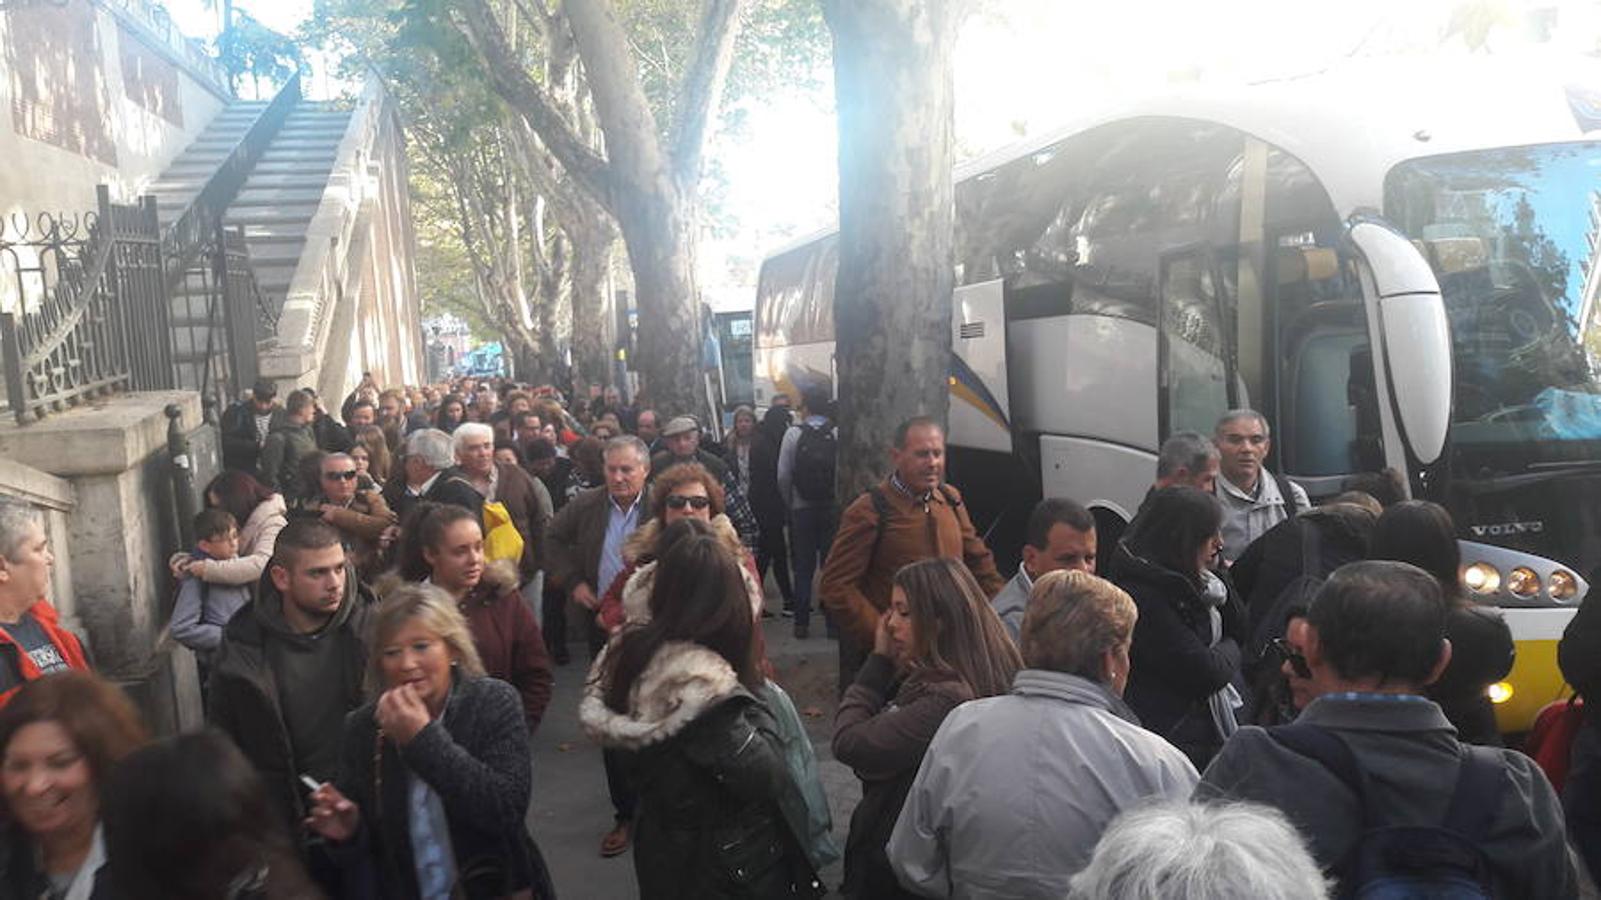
<point x="486" y="206"/>
<point x="247" y="48"/>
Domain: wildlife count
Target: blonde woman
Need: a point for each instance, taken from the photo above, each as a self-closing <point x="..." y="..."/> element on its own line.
<point x="436" y="772"/>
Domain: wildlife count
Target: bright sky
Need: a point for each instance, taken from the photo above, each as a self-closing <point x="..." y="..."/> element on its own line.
<point x="1022" y="67"/>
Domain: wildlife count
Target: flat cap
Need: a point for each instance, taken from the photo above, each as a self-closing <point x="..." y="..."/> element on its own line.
<point x="680" y="425"/>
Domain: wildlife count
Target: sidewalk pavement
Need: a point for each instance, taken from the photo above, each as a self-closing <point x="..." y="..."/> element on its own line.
<point x="571" y="810"/>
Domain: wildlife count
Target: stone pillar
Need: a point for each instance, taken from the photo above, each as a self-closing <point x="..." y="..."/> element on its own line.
<point x="120" y="532"/>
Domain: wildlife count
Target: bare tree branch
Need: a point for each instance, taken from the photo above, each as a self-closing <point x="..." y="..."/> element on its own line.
<point x="530" y="101"/>
<point x="702" y="88"/>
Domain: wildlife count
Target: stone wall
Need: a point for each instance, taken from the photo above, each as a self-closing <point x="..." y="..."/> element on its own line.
<point x="120" y="527"/>
<point x="95" y="92"/>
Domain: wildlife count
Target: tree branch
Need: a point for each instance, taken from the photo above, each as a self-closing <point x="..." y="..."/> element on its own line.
<point x="529" y="99"/>
<point x="702" y="87"/>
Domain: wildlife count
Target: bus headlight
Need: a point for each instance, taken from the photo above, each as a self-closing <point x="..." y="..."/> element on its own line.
<point x="1482" y="578"/>
<point x="1563" y="586"/>
<point x="1522" y="582"/>
<point x="1500" y="692"/>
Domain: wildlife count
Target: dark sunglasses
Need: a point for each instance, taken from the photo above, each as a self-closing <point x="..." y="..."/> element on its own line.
<point x="1288" y="654"/>
<point x="679" y="501"/>
<point x="347" y="475"/>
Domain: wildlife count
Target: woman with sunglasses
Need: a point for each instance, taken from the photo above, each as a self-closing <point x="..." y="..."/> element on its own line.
<point x="1186" y="651"/>
<point x="361" y="516"/>
<point x="682" y="491"/>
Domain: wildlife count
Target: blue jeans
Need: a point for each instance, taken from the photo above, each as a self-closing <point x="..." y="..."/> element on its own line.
<point x="811" y="533"/>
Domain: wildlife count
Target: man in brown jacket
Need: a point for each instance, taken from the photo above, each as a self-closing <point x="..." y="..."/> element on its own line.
<point x="913" y="515"/>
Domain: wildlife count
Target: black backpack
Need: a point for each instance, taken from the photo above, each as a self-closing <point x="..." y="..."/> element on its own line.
<point x="813" y="476"/>
<point x="1407" y="862"/>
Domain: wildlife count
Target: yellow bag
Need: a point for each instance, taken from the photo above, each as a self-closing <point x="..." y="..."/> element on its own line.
<point x="502" y="540"/>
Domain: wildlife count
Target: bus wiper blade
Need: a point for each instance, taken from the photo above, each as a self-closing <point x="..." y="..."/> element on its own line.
<point x="1563" y="464"/>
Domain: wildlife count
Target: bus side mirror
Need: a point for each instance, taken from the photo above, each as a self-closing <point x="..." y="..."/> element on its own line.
<point x="1412" y="337"/>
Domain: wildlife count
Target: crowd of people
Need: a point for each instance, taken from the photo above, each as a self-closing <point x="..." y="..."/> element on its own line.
<point x="1238" y="694"/>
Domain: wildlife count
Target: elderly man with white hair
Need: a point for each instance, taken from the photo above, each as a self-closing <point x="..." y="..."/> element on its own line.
<point x="428" y="472"/>
<point x="1201" y="851"/>
<point x="1015" y="790"/>
<point x="526" y="499"/>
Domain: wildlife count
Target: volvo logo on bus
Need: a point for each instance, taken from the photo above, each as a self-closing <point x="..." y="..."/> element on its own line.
<point x="1507" y="529"/>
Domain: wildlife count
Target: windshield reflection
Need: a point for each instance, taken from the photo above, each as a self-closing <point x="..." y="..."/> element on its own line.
<point x="1511" y="234"/>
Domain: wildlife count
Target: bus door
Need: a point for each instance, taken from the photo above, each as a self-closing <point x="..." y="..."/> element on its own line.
<point x="980" y="410"/>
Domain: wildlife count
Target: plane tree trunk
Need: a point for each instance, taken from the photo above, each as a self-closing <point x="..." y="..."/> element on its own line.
<point x="892" y="295"/>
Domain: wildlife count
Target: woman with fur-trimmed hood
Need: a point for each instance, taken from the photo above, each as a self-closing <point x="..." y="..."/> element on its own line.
<point x="443" y="543"/>
<point x="720" y="815"/>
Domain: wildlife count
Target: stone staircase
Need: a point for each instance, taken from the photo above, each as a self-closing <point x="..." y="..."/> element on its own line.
<point x="274" y="208"/>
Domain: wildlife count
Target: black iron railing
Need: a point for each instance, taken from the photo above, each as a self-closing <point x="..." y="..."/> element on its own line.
<point x="185" y="242"/>
<point x="109" y="300"/>
<point x="85" y="314"/>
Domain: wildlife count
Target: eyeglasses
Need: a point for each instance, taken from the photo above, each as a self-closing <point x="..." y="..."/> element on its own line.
<point x="1288" y="654"/>
<point x="347" y="475"/>
<point x="679" y="501"/>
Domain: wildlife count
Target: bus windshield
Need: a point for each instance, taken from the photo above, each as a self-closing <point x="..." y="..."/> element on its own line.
<point x="1511" y="233"/>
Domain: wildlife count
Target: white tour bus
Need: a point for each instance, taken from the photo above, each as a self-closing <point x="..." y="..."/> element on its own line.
<point x="1392" y="260"/>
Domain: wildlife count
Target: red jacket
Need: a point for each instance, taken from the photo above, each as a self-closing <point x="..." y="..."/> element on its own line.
<point x="64" y="640"/>
<point x="509" y="640"/>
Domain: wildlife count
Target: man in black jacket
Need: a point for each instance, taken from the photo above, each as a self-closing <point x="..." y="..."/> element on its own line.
<point x="291" y="665"/>
<point x="246" y="424"/>
<point x="429" y="473"/>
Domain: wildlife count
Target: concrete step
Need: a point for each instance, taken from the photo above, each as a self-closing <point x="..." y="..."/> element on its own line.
<point x="310" y="135"/>
<point x="300" y="213"/>
<point x="208" y="143"/>
<point x="286" y="180"/>
<point x="287" y="235"/>
<point x="277" y="151"/>
<point x="271" y="232"/>
<point x="291" y="166"/>
<point x="284" y="254"/>
<point x="276" y="196"/>
<point x="325" y="149"/>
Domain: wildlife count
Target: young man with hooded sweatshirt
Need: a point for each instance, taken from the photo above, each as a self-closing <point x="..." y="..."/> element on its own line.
<point x="291" y="665"/>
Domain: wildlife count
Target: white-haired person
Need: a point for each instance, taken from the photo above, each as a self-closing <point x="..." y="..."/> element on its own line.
<point x="526" y="499"/>
<point x="1016" y="789"/>
<point x="428" y="472"/>
<point x="435" y="775"/>
<point x="1196" y="851"/>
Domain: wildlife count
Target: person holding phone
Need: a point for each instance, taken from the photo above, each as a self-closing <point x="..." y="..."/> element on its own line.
<point x="435" y="775"/>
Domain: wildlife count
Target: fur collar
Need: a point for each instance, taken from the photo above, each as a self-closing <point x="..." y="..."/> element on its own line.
<point x="682" y="681"/>
<point x="499" y="577"/>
